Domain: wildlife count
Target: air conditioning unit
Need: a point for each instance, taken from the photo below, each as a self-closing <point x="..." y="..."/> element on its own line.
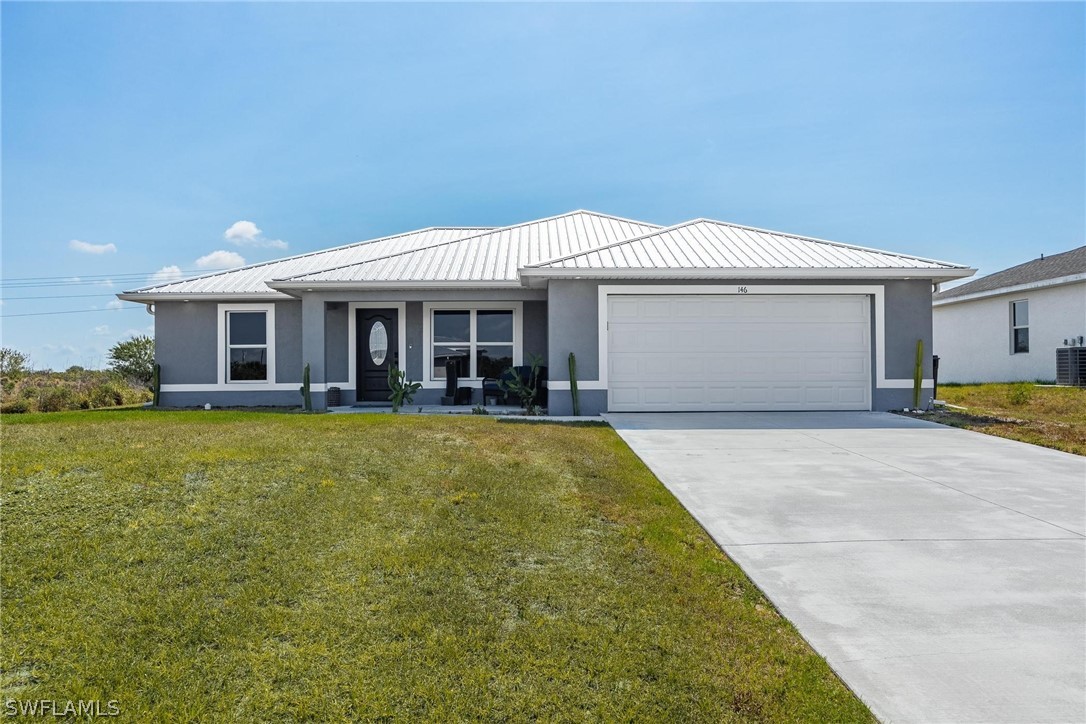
<point x="1071" y="366"/>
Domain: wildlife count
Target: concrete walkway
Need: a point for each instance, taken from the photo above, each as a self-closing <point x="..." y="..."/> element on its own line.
<point x="941" y="572"/>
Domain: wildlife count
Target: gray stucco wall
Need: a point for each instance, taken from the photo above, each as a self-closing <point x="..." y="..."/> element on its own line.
<point x="573" y="324"/>
<point x="314" y="331"/>
<point x="288" y="341"/>
<point x="186" y="342"/>
<point x="335" y="342"/>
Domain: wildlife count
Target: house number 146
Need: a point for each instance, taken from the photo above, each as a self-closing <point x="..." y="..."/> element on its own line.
<point x="741" y="290"/>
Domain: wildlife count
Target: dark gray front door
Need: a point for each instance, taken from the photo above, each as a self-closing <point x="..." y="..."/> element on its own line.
<point x="376" y="350"/>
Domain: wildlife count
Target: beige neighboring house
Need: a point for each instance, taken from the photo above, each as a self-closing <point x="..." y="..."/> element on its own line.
<point x="1006" y="327"/>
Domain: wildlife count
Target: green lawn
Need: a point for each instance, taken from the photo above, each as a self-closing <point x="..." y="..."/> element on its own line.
<point x="257" y="566"/>
<point x="1043" y="415"/>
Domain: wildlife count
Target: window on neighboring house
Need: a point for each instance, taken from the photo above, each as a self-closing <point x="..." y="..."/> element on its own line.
<point x="1019" y="327"/>
<point x="247" y="346"/>
<point x="479" y="341"/>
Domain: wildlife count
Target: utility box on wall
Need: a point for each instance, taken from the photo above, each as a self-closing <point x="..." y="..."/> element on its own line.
<point x="1071" y="366"/>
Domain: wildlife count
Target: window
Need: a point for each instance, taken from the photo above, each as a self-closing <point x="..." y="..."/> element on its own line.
<point x="247" y="346"/>
<point x="479" y="341"/>
<point x="1019" y="327"/>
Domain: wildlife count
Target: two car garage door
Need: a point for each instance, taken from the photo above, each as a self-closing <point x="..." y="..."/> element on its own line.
<point x="739" y="352"/>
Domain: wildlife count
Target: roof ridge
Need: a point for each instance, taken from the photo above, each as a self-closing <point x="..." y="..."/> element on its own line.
<point x="341" y="247"/>
<point x="660" y="230"/>
<point x="702" y="219"/>
<point x="487" y="232"/>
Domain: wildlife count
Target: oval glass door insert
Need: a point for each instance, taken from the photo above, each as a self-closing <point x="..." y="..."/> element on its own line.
<point x="378" y="342"/>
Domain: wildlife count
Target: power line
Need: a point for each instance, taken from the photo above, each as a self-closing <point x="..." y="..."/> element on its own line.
<point x="58" y="296"/>
<point x="68" y="311"/>
<point x="126" y="279"/>
<point x="93" y="276"/>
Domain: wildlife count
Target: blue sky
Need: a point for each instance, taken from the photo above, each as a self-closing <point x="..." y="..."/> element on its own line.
<point x="943" y="130"/>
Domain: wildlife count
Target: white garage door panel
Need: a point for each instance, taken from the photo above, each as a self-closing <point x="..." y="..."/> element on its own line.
<point x="788" y="352"/>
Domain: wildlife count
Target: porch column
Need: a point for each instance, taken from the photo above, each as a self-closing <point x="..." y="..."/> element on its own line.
<point x="313" y="346"/>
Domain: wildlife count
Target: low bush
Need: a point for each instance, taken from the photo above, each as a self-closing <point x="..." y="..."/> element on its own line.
<point x="57" y="399"/>
<point x="14" y="407"/>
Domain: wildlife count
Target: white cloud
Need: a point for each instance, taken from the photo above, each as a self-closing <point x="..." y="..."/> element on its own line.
<point x="101" y="330"/>
<point x="166" y="274"/>
<point x="85" y="248"/>
<point x="115" y="304"/>
<point x="241" y="232"/>
<point x="246" y="233"/>
<point x="220" y="260"/>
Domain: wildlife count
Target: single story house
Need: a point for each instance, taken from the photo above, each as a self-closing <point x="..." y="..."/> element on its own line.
<point x="1007" y="326"/>
<point x="702" y="315"/>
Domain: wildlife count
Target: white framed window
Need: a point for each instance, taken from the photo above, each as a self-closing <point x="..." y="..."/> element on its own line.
<point x="483" y="339"/>
<point x="1020" y="326"/>
<point x="246" y="344"/>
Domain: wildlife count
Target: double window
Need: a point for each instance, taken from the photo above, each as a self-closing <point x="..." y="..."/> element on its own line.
<point x="480" y="342"/>
<point x="1019" y="327"/>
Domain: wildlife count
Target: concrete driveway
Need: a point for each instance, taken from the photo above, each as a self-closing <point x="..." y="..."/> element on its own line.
<point x="941" y="572"/>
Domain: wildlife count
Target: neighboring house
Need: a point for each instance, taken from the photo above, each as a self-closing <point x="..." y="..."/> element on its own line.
<point x="703" y="315"/>
<point x="1006" y="327"/>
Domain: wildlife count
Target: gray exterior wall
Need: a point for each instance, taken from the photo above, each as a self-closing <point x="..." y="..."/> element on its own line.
<point x="186" y="342"/>
<point x="313" y="330"/>
<point x="336" y="353"/>
<point x="573" y="326"/>
<point x="288" y="342"/>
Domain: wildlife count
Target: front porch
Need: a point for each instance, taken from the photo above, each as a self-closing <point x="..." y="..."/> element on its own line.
<point x="351" y="338"/>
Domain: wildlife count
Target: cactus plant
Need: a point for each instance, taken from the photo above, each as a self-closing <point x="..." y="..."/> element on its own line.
<point x="573" y="385"/>
<point x="307" y="399"/>
<point x="918" y="373"/>
<point x="156" y="383"/>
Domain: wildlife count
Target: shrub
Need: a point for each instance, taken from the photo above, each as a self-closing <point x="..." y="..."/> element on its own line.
<point x="15" y="407"/>
<point x="56" y="399"/>
<point x="106" y="395"/>
<point x="1020" y="394"/>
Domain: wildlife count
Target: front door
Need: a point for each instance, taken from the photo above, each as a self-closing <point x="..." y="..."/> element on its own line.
<point x="376" y="350"/>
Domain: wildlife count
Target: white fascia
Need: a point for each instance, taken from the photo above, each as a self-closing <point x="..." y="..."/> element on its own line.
<point x="792" y="273"/>
<point x="370" y="285"/>
<point x="1044" y="283"/>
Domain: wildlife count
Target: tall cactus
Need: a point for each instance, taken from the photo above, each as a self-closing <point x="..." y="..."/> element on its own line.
<point x="156" y="383"/>
<point x="918" y="373"/>
<point x="573" y="385"/>
<point x="307" y="400"/>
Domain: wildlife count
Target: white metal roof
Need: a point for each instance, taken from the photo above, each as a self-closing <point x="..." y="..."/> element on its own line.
<point x="704" y="245"/>
<point x="490" y="257"/>
<point x="577" y="243"/>
<point x="251" y="280"/>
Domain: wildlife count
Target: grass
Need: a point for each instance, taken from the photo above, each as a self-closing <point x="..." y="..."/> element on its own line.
<point x="259" y="566"/>
<point x="1050" y="416"/>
